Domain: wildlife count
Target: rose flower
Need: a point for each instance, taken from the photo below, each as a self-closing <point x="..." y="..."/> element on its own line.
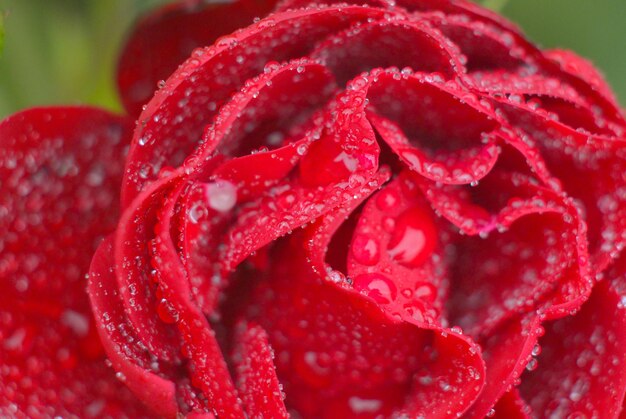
<point x="378" y="209"/>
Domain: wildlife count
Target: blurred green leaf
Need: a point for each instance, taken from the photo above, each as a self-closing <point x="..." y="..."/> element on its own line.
<point x="66" y="51"/>
<point x="495" y="5"/>
<point x="1" y="32"/>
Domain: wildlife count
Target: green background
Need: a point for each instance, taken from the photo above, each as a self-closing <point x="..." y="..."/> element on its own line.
<point x="65" y="51"/>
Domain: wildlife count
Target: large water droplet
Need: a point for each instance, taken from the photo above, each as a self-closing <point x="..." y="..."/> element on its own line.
<point x="377" y="286"/>
<point x="221" y="195"/>
<point x="365" y="250"/>
<point x="414" y="238"/>
<point x="167" y="312"/>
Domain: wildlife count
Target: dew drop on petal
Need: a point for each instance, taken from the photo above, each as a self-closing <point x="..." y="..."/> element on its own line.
<point x="377" y="286"/>
<point x="425" y="291"/>
<point x="414" y="238"/>
<point x="167" y="312"/>
<point x="221" y="195"/>
<point x="365" y="250"/>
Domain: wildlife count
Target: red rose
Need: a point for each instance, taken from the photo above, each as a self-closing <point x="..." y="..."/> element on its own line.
<point x="383" y="210"/>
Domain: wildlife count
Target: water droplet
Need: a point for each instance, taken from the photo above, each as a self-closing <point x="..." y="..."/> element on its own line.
<point x="532" y="364"/>
<point x="196" y="212"/>
<point x="308" y="367"/>
<point x="377" y="286"/>
<point x="359" y="405"/>
<point x="536" y="350"/>
<point x="365" y="250"/>
<point x="301" y="150"/>
<point x="425" y="291"/>
<point x="167" y="312"/>
<point x="387" y="199"/>
<point x="221" y="195"/>
<point x="414" y="238"/>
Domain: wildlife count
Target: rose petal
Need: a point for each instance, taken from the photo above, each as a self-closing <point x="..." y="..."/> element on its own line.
<point x="468" y="165"/>
<point x="207" y="367"/>
<point x="172" y="123"/>
<point x="384" y="44"/>
<point x="136" y="283"/>
<point x="483" y="44"/>
<point x="333" y="342"/>
<point x="581" y="366"/>
<point x="511" y="406"/>
<point x="61" y="170"/>
<point x="256" y="376"/>
<point x="135" y="367"/>
<point x="396" y="254"/>
<point x="583" y="69"/>
<point x="507" y="353"/>
<point x="166" y="37"/>
<point x="514" y="270"/>
<point x="575" y="158"/>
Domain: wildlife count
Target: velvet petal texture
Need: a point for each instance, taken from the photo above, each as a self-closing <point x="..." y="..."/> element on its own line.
<point x="397" y="209"/>
<point x="61" y="170"/>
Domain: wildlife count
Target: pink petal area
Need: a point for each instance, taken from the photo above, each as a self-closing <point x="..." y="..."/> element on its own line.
<point x="396" y="254"/>
<point x="507" y="353"/>
<point x="256" y="377"/>
<point x="173" y="121"/>
<point x="384" y="44"/>
<point x="581" y="369"/>
<point x="167" y="36"/>
<point x="207" y="367"/>
<point x="135" y="366"/>
<point x="61" y="170"/>
<point x="333" y="344"/>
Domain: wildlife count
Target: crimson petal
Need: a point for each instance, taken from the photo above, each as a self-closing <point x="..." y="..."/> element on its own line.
<point x="396" y="255"/>
<point x="507" y="353"/>
<point x="61" y="170"/>
<point x="581" y="366"/>
<point x="257" y="382"/>
<point x="207" y="366"/>
<point x="167" y="36"/>
<point x="511" y="406"/>
<point x="119" y="339"/>
<point x="335" y="343"/>
<point x="172" y="123"/>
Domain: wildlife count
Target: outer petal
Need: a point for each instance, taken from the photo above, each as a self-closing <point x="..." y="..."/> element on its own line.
<point x="60" y="171"/>
<point x="507" y="354"/>
<point x="256" y="377"/>
<point x="170" y="127"/>
<point x="165" y="38"/>
<point x="582" y="367"/>
<point x="135" y="366"/>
